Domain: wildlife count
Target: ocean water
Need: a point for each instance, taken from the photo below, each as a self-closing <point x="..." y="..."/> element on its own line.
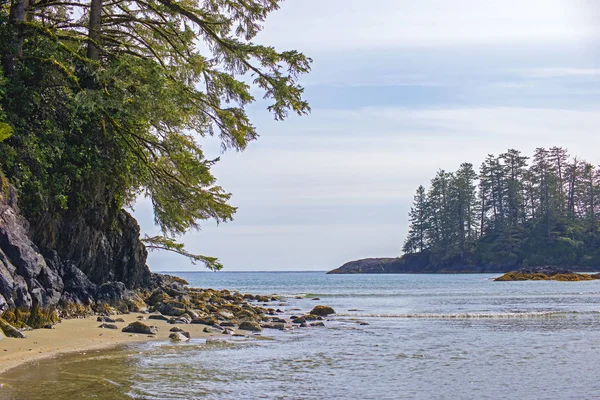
<point x="428" y="337"/>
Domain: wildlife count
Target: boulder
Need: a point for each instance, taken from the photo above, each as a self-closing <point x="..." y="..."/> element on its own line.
<point x="322" y="311"/>
<point x="250" y="326"/>
<point x="140" y="327"/>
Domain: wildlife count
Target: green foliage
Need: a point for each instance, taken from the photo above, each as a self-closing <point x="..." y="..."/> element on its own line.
<point x="170" y="244"/>
<point x="517" y="214"/>
<point x="103" y="110"/>
<point x="5" y="131"/>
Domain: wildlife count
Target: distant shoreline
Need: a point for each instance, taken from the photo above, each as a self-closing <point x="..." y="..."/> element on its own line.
<point x="416" y="265"/>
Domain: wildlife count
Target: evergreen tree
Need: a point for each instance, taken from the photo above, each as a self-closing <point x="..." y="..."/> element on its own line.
<point x="512" y="213"/>
<point x="416" y="241"/>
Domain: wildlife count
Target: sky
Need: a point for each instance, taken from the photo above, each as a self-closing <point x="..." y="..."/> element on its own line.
<point x="399" y="89"/>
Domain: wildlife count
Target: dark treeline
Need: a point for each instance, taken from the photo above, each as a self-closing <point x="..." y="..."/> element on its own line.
<point x="515" y="211"/>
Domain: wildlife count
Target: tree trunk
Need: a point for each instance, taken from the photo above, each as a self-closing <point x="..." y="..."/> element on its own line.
<point x="18" y="9"/>
<point x="93" y="52"/>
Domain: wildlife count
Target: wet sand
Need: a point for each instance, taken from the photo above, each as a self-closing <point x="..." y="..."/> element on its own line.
<point x="79" y="336"/>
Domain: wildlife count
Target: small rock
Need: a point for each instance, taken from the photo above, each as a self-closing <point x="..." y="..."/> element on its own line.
<point x="274" y="325"/>
<point x="108" y="326"/>
<point x="317" y="324"/>
<point x="178" y="337"/>
<point x="159" y="317"/>
<point x="205" y="320"/>
<point x="105" y="319"/>
<point x="315" y="298"/>
<point x="180" y="320"/>
<point x="122" y="320"/>
<point x="176" y="329"/>
<point x="140" y="327"/>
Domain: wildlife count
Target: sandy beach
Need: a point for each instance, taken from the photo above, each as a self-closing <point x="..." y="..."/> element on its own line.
<point x="79" y="336"/>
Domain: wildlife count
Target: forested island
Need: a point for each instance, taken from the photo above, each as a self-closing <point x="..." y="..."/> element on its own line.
<point x="515" y="211"/>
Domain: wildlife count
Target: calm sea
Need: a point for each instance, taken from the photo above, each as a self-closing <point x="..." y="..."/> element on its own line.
<point x="428" y="337"/>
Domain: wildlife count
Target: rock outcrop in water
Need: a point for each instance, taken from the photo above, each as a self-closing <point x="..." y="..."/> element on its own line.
<point x="546" y="273"/>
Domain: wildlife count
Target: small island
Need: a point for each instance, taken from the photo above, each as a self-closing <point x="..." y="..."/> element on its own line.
<point x="546" y="273"/>
<point x="514" y="212"/>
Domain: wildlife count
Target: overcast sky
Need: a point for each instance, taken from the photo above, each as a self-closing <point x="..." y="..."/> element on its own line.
<point x="399" y="89"/>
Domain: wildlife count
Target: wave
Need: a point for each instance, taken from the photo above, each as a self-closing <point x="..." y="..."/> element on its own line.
<point x="398" y="294"/>
<point x="482" y="315"/>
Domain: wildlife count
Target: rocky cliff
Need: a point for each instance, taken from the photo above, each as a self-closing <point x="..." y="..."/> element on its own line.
<point x="86" y="260"/>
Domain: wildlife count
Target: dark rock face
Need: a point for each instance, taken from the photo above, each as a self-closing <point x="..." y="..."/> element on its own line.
<point x="104" y="251"/>
<point x="25" y="278"/>
<point x="77" y="286"/>
<point x="82" y="260"/>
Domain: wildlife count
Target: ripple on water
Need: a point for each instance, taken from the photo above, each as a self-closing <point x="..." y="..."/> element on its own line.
<point x="430" y="337"/>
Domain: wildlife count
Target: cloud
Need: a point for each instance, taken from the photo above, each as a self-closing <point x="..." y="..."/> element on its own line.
<point x="552" y="73"/>
<point x="399" y="89"/>
<point x="343" y="25"/>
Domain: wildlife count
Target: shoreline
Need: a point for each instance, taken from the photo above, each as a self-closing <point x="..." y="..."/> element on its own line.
<point x="79" y="335"/>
